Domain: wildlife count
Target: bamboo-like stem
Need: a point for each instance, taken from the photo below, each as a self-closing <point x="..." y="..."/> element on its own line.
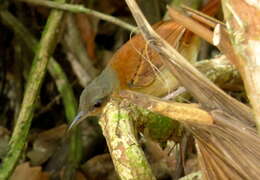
<point x="201" y="17"/>
<point x="177" y="3"/>
<point x="242" y="20"/>
<point x="70" y="106"/>
<point x="118" y="128"/>
<point x="54" y="68"/>
<point x="81" y="9"/>
<point x="190" y="24"/>
<point x="218" y="38"/>
<point x="46" y="47"/>
<point x="62" y="83"/>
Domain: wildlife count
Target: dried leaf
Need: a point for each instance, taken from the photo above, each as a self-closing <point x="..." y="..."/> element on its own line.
<point x="45" y="144"/>
<point x="25" y="172"/>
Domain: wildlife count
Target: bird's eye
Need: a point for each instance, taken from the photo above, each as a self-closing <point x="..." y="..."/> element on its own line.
<point x="98" y="104"/>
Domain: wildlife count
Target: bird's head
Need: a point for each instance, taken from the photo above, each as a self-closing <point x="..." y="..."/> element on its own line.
<point x="95" y="95"/>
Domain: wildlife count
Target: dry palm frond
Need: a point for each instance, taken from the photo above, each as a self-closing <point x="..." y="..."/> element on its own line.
<point x="227" y="146"/>
<point x="229" y="149"/>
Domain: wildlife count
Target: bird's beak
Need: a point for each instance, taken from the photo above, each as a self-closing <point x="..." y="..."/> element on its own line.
<point x="80" y="116"/>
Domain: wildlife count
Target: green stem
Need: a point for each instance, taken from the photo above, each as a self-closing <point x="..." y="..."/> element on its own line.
<point x="46" y="47"/>
<point x="54" y="68"/>
<point x="65" y="89"/>
<point x="81" y="9"/>
<point x="62" y="83"/>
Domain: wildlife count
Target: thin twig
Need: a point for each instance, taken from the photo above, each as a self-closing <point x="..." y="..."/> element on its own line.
<point x="81" y="9"/>
<point x="192" y="25"/>
<point x="176" y="3"/>
<point x="201" y="17"/>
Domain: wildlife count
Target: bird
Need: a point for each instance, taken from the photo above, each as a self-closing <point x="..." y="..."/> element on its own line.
<point x="135" y="67"/>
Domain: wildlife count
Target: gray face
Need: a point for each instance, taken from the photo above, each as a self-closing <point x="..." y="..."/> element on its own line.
<point x="98" y="90"/>
<point x="93" y="96"/>
<point x="96" y="93"/>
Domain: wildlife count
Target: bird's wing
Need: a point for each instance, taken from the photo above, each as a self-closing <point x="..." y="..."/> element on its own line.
<point x="151" y="65"/>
